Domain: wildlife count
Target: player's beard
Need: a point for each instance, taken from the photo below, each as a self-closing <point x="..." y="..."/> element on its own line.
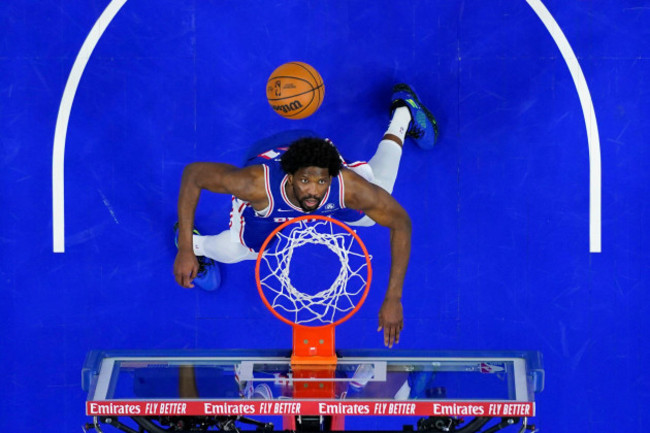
<point x="305" y="207"/>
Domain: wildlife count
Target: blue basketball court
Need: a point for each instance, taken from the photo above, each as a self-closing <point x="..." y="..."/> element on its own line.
<point x="530" y="219"/>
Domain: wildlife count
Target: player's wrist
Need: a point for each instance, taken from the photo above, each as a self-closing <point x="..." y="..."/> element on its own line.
<point x="393" y="297"/>
<point x="186" y="250"/>
<point x="394" y="291"/>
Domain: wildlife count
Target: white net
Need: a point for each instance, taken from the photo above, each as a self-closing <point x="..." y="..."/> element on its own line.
<point x="299" y="299"/>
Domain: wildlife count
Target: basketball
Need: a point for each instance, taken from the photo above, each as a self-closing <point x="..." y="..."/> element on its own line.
<point x="295" y="90"/>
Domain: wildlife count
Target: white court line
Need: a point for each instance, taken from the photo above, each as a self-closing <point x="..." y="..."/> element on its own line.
<point x="58" y="208"/>
<point x="595" y="242"/>
<point x="544" y="15"/>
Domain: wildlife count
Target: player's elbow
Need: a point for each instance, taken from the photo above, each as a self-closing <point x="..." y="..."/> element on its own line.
<point x="401" y="221"/>
<point x="191" y="171"/>
<point x="405" y="222"/>
<point x="197" y="174"/>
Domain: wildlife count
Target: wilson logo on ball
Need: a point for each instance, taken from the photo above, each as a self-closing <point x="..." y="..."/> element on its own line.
<point x="288" y="108"/>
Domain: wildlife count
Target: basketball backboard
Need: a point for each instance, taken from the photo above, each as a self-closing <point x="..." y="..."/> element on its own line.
<point x="313" y="387"/>
<point x="235" y="383"/>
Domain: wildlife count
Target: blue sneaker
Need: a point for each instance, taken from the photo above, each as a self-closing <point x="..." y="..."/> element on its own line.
<point x="209" y="276"/>
<point x="423" y="129"/>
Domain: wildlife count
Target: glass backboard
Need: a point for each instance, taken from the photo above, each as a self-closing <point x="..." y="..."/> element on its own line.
<point x="362" y="383"/>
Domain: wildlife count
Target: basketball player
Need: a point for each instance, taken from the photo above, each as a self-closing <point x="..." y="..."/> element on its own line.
<point x="308" y="177"/>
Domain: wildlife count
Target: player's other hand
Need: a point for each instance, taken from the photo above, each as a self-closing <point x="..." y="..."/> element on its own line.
<point x="186" y="266"/>
<point x="391" y="320"/>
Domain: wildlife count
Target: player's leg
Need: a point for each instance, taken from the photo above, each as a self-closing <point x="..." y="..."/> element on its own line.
<point x="385" y="162"/>
<point x="241" y="241"/>
<point x="409" y="119"/>
<point x="222" y="248"/>
<point x="383" y="166"/>
<point x="212" y="249"/>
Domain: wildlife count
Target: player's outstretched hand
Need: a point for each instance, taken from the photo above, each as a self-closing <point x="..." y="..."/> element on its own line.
<point x="391" y="320"/>
<point x="186" y="266"/>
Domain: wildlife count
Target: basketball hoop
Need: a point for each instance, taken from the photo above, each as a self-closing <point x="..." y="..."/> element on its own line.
<point x="313" y="311"/>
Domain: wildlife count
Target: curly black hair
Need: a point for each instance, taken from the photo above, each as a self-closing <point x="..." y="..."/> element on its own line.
<point x="311" y="152"/>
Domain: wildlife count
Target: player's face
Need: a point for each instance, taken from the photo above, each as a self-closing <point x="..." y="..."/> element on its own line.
<point x="309" y="185"/>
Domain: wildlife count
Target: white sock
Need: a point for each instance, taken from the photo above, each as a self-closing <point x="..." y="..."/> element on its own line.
<point x="400" y="123"/>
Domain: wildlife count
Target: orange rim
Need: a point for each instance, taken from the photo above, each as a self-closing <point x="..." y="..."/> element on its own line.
<point x="295" y="220"/>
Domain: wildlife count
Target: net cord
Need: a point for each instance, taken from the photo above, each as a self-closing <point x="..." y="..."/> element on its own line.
<point x="324" y="306"/>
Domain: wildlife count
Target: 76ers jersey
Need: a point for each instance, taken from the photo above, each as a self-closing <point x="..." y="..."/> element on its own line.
<point x="253" y="227"/>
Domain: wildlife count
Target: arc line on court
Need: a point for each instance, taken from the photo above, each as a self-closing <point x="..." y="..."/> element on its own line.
<point x="595" y="176"/>
<point x="63" y="117"/>
<point x="593" y="139"/>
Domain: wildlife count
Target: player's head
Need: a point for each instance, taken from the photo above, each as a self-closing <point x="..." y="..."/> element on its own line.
<point x="311" y="152"/>
<point x="311" y="163"/>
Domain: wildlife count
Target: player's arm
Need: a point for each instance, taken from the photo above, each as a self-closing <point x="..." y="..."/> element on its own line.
<point x="386" y="211"/>
<point x="245" y="183"/>
<point x="187" y="387"/>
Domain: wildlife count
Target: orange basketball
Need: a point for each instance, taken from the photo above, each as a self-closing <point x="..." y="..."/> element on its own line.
<point x="295" y="90"/>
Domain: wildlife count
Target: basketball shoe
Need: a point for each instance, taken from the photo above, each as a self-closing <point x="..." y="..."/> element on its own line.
<point x="209" y="276"/>
<point x="423" y="128"/>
